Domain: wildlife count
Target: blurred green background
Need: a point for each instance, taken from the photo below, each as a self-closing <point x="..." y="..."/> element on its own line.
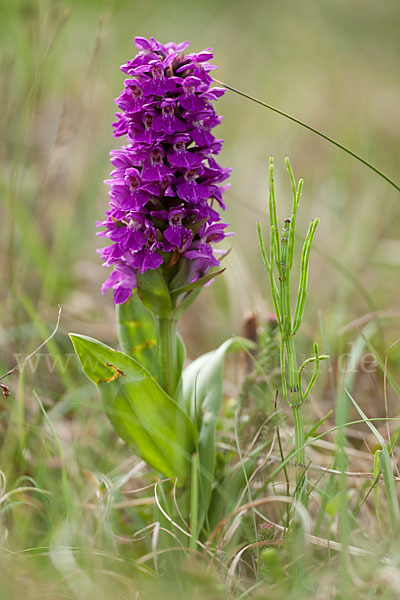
<point x="332" y="63"/>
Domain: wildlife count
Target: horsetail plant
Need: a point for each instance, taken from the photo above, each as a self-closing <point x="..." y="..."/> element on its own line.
<point x="281" y="262"/>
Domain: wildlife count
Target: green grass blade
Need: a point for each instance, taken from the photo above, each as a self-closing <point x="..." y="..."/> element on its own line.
<point x="313" y="130"/>
<point x="386" y="468"/>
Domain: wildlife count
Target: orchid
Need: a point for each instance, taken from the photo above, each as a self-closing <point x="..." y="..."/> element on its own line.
<point x="163" y="222"/>
<point x="166" y="181"/>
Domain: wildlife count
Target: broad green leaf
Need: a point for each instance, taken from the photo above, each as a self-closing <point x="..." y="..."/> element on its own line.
<point x="154" y="293"/>
<point x="137" y="334"/>
<point x="143" y="415"/>
<point x="202" y="398"/>
<point x="206" y="373"/>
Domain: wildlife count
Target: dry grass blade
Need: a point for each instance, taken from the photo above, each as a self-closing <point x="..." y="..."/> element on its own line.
<point x="238" y="557"/>
<point x="324" y="543"/>
<point x="148" y="501"/>
<point x="244" y="508"/>
<point x="23" y="362"/>
<point x="321" y="542"/>
<point x="151" y="555"/>
<point x="313" y="467"/>
<point x="154" y="544"/>
<point x="19" y="490"/>
<point x="166" y="515"/>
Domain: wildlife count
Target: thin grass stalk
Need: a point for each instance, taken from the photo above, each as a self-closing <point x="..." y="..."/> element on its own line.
<point x="343" y="513"/>
<point x="313" y="130"/>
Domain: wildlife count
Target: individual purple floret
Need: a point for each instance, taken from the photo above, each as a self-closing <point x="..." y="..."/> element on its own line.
<point x="165" y="189"/>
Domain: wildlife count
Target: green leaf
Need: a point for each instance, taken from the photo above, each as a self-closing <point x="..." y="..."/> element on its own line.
<point x="385" y="466"/>
<point x="143" y="415"/>
<point x="202" y="398"/>
<point x="153" y="292"/>
<point x="137" y="333"/>
<point x="376" y="472"/>
<point x="185" y="302"/>
<point x="314" y="429"/>
<point x="182" y="274"/>
<point x="198" y="283"/>
<point x="180" y="351"/>
<point x="190" y="292"/>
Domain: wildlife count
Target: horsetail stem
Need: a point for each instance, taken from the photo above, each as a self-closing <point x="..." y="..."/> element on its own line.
<point x="305" y="259"/>
<point x="262" y="246"/>
<point x="316" y="358"/>
<point x="273" y="217"/>
<point x="284" y="279"/>
<point x="274" y="287"/>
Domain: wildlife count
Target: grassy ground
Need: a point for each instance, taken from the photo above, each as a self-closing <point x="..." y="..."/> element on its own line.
<point x="332" y="64"/>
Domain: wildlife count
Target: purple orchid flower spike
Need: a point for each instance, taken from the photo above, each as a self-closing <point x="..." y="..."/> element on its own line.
<point x="165" y="180"/>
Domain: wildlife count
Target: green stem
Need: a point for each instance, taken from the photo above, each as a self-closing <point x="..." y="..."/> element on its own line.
<point x="293" y="377"/>
<point x="299" y="441"/>
<point x="167" y="353"/>
<point x="284" y="282"/>
<point x="296" y="401"/>
<point x="194" y="501"/>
